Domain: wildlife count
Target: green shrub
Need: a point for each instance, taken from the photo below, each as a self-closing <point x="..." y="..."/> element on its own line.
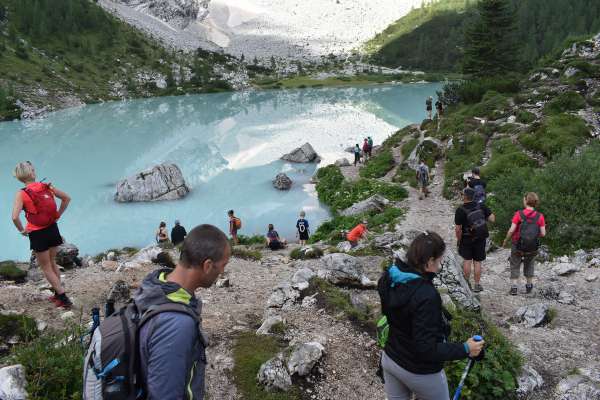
<point x="460" y="158"/>
<point x="250" y="351"/>
<point x="493" y="105"/>
<point x="250" y="240"/>
<point x="379" y="165"/>
<point x="246" y="254"/>
<point x="557" y="134"/>
<point x="405" y="174"/>
<point x="298" y="254"/>
<point x="53" y="365"/>
<point x="338" y="194"/>
<point x="568" y="101"/>
<point x="408" y="147"/>
<point x="568" y="188"/>
<point x="10" y="272"/>
<point x="396" y="138"/>
<point x="429" y="152"/>
<point x="336" y="300"/>
<point x="496" y="376"/>
<point x="473" y="90"/>
<point x="525" y="117"/>
<point x="22" y="326"/>
<point x="506" y="156"/>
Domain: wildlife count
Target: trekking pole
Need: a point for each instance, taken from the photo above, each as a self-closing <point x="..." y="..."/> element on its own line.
<point x="470" y="363"/>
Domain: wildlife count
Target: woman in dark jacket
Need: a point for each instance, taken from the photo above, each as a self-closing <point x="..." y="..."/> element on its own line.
<point x="417" y="347"/>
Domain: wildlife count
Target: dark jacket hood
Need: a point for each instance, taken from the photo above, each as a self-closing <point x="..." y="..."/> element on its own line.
<point x="403" y="281"/>
<point x="156" y="290"/>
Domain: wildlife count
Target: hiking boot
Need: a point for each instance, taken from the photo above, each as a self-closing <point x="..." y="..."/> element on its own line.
<point x="63" y="301"/>
<point x="477" y="288"/>
<point x="514" y="291"/>
<point x="529" y="287"/>
<point x="53" y="299"/>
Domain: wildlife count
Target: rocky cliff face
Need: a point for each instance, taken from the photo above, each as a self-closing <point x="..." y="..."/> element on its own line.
<point x="179" y="13"/>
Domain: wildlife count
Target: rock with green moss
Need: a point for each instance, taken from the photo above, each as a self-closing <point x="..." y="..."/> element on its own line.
<point x="10" y="272"/>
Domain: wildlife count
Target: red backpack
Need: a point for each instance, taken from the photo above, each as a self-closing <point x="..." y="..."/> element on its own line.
<point x="44" y="211"/>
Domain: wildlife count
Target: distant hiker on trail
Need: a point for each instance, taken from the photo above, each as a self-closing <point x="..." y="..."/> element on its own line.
<point x="365" y="149"/>
<point x="417" y="344"/>
<point x="471" y="234"/>
<point x="429" y="106"/>
<point x="302" y="228"/>
<point x="274" y="242"/>
<point x="439" y="108"/>
<point x="37" y="200"/>
<point x="423" y="179"/>
<point x="370" y="141"/>
<point x="172" y="345"/>
<point x="161" y="233"/>
<point x="356" y="154"/>
<point x="359" y="232"/>
<point x="234" y="225"/>
<point x="528" y="225"/>
<point x="178" y="233"/>
<point x="478" y="185"/>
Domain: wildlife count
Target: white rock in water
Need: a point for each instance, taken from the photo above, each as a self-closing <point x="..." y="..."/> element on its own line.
<point x="162" y="182"/>
<point x="13" y="383"/>
<point x="303" y="154"/>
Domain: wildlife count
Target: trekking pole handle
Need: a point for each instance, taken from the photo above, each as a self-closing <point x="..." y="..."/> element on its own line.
<point x="477" y="338"/>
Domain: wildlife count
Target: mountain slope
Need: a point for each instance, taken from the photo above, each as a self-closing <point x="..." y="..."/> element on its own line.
<point x="431" y="38"/>
<point x="55" y="54"/>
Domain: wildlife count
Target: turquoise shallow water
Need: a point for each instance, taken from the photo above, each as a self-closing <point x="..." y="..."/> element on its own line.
<point x="228" y="146"/>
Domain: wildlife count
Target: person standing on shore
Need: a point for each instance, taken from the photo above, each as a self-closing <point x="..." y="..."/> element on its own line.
<point x="365" y="150"/>
<point x="37" y="200"/>
<point x="178" y="233"/>
<point x="161" y="233"/>
<point x="429" y="106"/>
<point x="302" y="228"/>
<point x="234" y="225"/>
<point x="356" y="154"/>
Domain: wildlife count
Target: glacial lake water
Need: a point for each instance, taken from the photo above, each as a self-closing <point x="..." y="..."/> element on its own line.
<point x="228" y="146"/>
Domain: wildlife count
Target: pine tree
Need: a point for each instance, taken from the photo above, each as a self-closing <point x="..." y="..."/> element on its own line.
<point x="490" y="45"/>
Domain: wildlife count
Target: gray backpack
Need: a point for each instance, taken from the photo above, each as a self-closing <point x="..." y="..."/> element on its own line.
<point x="529" y="233"/>
<point x="111" y="364"/>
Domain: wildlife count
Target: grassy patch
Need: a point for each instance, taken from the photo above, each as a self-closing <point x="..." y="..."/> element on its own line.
<point x="10" y="272"/>
<point x="299" y="254"/>
<point x="492" y="106"/>
<point x="396" y="138"/>
<point x="405" y="174"/>
<point x="336" y="300"/>
<point x="338" y="194"/>
<point x="53" y="365"/>
<point x="408" y="147"/>
<point x="21" y="326"/>
<point x="251" y="240"/>
<point x="568" y="101"/>
<point x="379" y="165"/>
<point x="250" y="351"/>
<point x="246" y="254"/>
<point x="496" y="376"/>
<point x="557" y="134"/>
<point x="506" y="156"/>
<point x="525" y="117"/>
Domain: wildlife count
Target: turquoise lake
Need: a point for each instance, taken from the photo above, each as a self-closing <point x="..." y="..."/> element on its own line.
<point x="228" y="146"/>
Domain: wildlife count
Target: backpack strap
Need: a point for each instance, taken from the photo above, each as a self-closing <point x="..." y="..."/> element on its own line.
<point x="154" y="310"/>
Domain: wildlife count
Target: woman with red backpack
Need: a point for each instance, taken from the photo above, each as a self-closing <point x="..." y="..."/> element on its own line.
<point x="37" y="200"/>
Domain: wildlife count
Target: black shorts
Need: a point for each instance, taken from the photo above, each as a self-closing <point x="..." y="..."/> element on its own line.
<point x="275" y="245"/>
<point x="303" y="235"/>
<point x="472" y="249"/>
<point x="45" y="238"/>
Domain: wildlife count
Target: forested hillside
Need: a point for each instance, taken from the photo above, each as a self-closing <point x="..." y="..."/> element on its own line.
<point x="57" y="53"/>
<point x="431" y="38"/>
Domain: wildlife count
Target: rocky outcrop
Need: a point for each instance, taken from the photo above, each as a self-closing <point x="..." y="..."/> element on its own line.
<point x="533" y="315"/>
<point x="282" y="182"/>
<point x="529" y="381"/>
<point x="162" y="182"/>
<point x="304" y="357"/>
<point x="451" y="278"/>
<point x="67" y="256"/>
<point x="13" y="383"/>
<point x="178" y="13"/>
<point x="588" y="49"/>
<point x="268" y="324"/>
<point x="273" y="374"/>
<point x="373" y="203"/>
<point x="344" y="270"/>
<point x="343" y="162"/>
<point x="582" y="385"/>
<point x="303" y="154"/>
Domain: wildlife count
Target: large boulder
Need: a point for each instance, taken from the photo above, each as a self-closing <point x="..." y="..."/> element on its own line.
<point x="13" y="383"/>
<point x="268" y="324"/>
<point x="147" y="255"/>
<point x="342" y="162"/>
<point x="303" y="154"/>
<point x="373" y="203"/>
<point x="451" y="277"/>
<point x="283" y="296"/>
<point x="344" y="270"/>
<point x="282" y="182"/>
<point x="66" y="256"/>
<point x="529" y="381"/>
<point x="584" y="385"/>
<point x="304" y="357"/>
<point x="162" y="182"/>
<point x="274" y="375"/>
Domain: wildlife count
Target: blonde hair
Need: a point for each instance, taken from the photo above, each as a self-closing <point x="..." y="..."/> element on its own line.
<point x="532" y="199"/>
<point x="24" y="171"/>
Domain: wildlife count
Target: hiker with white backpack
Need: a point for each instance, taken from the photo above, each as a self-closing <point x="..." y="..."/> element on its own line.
<point x="423" y="179"/>
<point x="471" y="232"/>
<point x="527" y="226"/>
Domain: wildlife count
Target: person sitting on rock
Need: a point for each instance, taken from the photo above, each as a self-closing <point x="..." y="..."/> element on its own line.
<point x="178" y="233"/>
<point x="37" y="200"/>
<point x="359" y="232"/>
<point x="274" y="242"/>
<point x="417" y="346"/>
<point x="161" y="233"/>
<point x="302" y="228"/>
<point x="527" y="226"/>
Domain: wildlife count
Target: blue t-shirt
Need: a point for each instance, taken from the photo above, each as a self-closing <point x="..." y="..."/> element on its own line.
<point x="273" y="235"/>
<point x="302" y="225"/>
